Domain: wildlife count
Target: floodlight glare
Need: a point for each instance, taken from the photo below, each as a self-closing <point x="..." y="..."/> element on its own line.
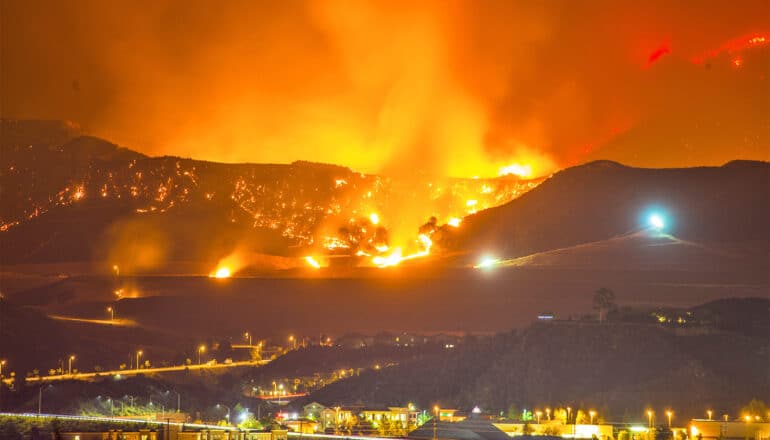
<point x="656" y="221"/>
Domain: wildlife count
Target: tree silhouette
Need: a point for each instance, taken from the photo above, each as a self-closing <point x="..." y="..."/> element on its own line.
<point x="603" y="302"/>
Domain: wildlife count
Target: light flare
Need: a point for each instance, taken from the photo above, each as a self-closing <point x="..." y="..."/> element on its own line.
<point x="454" y="222"/>
<point x="374" y="218"/>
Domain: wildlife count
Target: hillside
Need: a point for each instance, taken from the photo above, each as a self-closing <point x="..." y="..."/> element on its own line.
<point x="727" y="206"/>
<point x="68" y="197"/>
<point x="617" y="368"/>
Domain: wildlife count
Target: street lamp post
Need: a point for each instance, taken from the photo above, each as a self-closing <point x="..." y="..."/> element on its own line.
<point x="710" y="413"/>
<point x="569" y="411"/>
<point x="247" y="336"/>
<point x="592" y="413"/>
<point x="111" y="311"/>
<point x="435" y="421"/>
<point x="293" y="342"/>
<point x="138" y="355"/>
<point x="538" y="414"/>
<point x="649" y="418"/>
<point x="227" y="415"/>
<point x="201" y="349"/>
<point x="69" y="363"/>
<point x="2" y="362"/>
<point x="669" y="414"/>
<point x="548" y="413"/>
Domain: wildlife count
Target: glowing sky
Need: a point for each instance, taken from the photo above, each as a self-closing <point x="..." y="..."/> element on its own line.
<point x="459" y="88"/>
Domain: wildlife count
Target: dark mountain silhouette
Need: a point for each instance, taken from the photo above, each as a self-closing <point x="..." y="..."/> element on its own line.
<point x="620" y="366"/>
<point x="727" y="206"/>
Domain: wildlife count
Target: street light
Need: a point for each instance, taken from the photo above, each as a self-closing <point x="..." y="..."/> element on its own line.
<point x="592" y="413"/>
<point x="2" y="362"/>
<point x="247" y="336"/>
<point x="138" y="355"/>
<point x="69" y="363"/>
<point x="709" y="413"/>
<point x="435" y="421"/>
<point x="548" y="413"/>
<point x="669" y="414"/>
<point x="293" y="342"/>
<point x="227" y="416"/>
<point x="111" y="311"/>
<point x="649" y="418"/>
<point x="569" y="410"/>
<point x="201" y="349"/>
<point x="538" y="414"/>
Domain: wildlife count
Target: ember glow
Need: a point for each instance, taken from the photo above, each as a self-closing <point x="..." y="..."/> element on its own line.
<point x="222" y="272"/>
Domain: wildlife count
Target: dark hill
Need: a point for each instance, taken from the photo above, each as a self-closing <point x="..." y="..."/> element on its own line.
<point x="727" y="205"/>
<point x="622" y="367"/>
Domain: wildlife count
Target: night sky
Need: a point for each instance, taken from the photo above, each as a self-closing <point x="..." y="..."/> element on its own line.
<point x="447" y="87"/>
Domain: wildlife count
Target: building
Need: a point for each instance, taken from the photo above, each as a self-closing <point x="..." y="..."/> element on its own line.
<point x="313" y="410"/>
<point x="405" y="416"/>
<point x="450" y="415"/>
<point x="555" y="428"/>
<point x="743" y="430"/>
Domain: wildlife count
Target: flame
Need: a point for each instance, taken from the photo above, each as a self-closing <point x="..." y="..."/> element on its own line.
<point x="374" y="218"/>
<point x="312" y="262"/>
<point x="397" y="256"/>
<point x="454" y="222"/>
<point x="517" y="170"/>
<point x="222" y="272"/>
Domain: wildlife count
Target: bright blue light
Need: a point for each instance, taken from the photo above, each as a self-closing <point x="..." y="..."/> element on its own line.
<point x="656" y="221"/>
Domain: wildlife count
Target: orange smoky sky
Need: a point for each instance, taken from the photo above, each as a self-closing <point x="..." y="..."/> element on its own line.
<point x="457" y="88"/>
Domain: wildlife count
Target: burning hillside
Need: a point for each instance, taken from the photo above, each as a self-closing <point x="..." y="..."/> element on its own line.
<point x="329" y="210"/>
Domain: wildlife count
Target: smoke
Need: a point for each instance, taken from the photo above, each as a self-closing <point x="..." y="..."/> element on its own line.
<point x="455" y="87"/>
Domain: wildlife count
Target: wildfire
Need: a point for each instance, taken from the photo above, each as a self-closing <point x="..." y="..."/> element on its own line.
<point x="397" y="256"/>
<point x="517" y="170"/>
<point x="312" y="262"/>
<point x="222" y="272"/>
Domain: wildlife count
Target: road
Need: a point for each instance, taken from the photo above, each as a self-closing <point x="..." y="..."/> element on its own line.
<point x="180" y="426"/>
<point x="96" y="374"/>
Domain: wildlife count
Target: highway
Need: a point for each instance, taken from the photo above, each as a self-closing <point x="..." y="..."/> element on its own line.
<point x="97" y="374"/>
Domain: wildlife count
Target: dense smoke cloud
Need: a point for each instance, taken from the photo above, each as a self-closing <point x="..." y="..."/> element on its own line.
<point x="446" y="87"/>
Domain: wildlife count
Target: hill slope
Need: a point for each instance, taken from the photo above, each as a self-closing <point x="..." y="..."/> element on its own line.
<point x="727" y="205"/>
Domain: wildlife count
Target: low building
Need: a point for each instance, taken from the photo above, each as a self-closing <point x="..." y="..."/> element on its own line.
<point x="451" y="415"/>
<point x="556" y="429"/>
<point x="713" y="429"/>
<point x="393" y="414"/>
<point x="313" y="410"/>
